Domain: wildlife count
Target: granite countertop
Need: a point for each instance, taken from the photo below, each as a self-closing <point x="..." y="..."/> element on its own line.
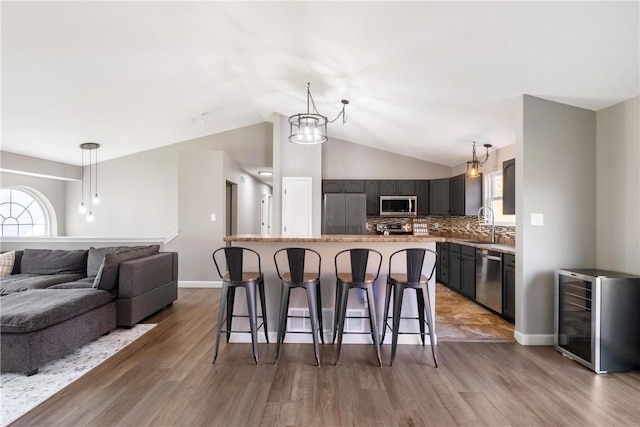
<point x="372" y="238"/>
<point x="499" y="247"/>
<point x="335" y="238"/>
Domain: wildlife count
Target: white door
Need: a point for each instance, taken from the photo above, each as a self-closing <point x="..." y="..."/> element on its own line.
<point x="265" y="223"/>
<point x="296" y="206"/>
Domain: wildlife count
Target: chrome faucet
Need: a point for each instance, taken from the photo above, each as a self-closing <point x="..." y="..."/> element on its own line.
<point x="484" y="221"/>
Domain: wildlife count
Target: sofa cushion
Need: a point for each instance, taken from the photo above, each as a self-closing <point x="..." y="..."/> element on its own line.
<point x="107" y="277"/>
<point x="39" y="308"/>
<point x="50" y="261"/>
<point x="96" y="256"/>
<point x="83" y="283"/>
<point x="7" y="260"/>
<point x="23" y="282"/>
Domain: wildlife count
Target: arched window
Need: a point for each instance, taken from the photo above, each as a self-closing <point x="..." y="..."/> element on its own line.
<point x="22" y="214"/>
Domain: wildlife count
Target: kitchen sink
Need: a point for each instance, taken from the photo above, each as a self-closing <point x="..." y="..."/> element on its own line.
<point x="475" y="241"/>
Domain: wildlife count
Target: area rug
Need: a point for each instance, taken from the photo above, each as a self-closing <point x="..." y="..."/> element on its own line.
<point x="19" y="394"/>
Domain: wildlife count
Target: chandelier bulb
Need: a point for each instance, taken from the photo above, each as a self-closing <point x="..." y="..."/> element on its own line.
<point x="96" y="199"/>
<point x="90" y="217"/>
<point x="82" y="208"/>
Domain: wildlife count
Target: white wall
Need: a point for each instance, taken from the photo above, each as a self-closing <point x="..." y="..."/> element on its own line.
<point x="496" y="157"/>
<point x="618" y="187"/>
<point x="555" y="164"/>
<point x="295" y="160"/>
<point x="345" y="160"/>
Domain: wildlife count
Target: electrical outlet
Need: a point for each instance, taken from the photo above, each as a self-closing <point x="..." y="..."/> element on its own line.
<point x="436" y="225"/>
<point x="468" y="226"/>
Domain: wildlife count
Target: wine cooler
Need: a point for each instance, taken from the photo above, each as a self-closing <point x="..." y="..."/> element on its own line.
<point x="597" y="319"/>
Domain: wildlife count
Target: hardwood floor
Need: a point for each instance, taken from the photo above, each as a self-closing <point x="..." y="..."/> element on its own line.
<point x="166" y="378"/>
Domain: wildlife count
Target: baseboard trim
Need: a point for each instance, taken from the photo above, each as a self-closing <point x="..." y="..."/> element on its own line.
<point x="533" y="339"/>
<point x="199" y="284"/>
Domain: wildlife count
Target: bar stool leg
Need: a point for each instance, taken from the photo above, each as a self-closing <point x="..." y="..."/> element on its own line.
<point x="387" y="301"/>
<point x="420" y="300"/>
<point x="427" y="306"/>
<point x="223" y="300"/>
<point x="343" y="296"/>
<point x="282" y="318"/>
<point x="231" y="295"/>
<point x="319" y="311"/>
<point x="374" y="321"/>
<point x="263" y="305"/>
<point x="336" y="310"/>
<point x="313" y="314"/>
<point x="253" y="317"/>
<point x="397" y="308"/>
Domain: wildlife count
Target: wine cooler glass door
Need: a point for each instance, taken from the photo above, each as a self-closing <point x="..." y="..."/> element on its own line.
<point x="574" y="333"/>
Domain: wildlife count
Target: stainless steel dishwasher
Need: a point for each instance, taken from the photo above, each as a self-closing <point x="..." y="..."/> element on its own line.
<point x="489" y="279"/>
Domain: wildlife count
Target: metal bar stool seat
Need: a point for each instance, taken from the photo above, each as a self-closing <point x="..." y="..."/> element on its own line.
<point x="359" y="278"/>
<point x="252" y="282"/>
<point x="397" y="283"/>
<point x="297" y="277"/>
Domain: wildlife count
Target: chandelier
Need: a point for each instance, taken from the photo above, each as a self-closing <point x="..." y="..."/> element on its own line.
<point x="473" y="167"/>
<point x="311" y="127"/>
<point x="92" y="148"/>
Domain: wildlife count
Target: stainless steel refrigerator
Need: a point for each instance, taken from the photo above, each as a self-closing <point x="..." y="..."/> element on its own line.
<point x="344" y="213"/>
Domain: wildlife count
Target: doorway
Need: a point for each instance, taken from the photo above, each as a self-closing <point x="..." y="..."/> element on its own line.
<point x="266" y="214"/>
<point x="231" y="208"/>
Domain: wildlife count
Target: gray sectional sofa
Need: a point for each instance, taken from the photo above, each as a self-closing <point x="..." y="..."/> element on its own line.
<point x="57" y="300"/>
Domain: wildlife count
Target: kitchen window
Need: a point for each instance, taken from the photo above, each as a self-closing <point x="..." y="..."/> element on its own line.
<point x="493" y="198"/>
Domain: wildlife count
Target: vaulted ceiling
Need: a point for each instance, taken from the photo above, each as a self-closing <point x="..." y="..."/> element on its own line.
<point x="424" y="79"/>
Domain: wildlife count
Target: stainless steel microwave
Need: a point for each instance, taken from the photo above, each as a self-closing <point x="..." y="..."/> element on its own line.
<point x="398" y="205"/>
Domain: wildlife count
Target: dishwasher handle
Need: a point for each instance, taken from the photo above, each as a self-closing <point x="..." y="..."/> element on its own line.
<point x="487" y="256"/>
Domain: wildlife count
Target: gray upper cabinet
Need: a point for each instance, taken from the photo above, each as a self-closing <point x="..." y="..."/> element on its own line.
<point x="372" y="190"/>
<point x="342" y="186"/>
<point x="422" y="191"/>
<point x="397" y="188"/>
<point x="509" y="187"/>
<point x="439" y="196"/>
<point x="465" y="195"/>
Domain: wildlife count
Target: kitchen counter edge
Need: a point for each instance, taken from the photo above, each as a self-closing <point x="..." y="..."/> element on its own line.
<point x="368" y="238"/>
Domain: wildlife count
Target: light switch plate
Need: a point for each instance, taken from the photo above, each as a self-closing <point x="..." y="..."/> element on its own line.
<point x="537" y="219"/>
<point x="213" y="217"/>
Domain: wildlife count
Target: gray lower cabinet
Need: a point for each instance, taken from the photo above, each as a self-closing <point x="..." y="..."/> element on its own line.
<point x="468" y="272"/>
<point x="509" y="287"/>
<point x="462" y="270"/>
<point x="442" y="268"/>
<point x="455" y="264"/>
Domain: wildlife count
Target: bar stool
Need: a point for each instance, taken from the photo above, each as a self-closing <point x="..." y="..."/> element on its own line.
<point x="236" y="277"/>
<point x="397" y="283"/>
<point x="296" y="277"/>
<point x="357" y="277"/>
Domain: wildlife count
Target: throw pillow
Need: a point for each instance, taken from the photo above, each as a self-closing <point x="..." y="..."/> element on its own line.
<point x="107" y="276"/>
<point x="96" y="256"/>
<point x="6" y="263"/>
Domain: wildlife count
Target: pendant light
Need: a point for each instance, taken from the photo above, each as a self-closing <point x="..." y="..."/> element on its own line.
<point x="473" y="167"/>
<point x="93" y="189"/>
<point x="311" y="127"/>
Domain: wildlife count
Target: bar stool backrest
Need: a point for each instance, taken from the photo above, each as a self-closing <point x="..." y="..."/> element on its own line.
<point x="234" y="256"/>
<point x="296" y="259"/>
<point x="359" y="259"/>
<point x="414" y="263"/>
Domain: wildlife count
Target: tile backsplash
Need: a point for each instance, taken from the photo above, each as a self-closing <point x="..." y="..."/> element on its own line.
<point x="452" y="226"/>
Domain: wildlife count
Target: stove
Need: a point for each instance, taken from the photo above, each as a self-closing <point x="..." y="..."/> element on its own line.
<point x="395" y="228"/>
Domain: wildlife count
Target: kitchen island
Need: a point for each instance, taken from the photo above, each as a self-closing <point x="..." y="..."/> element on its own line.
<point x="328" y="246"/>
